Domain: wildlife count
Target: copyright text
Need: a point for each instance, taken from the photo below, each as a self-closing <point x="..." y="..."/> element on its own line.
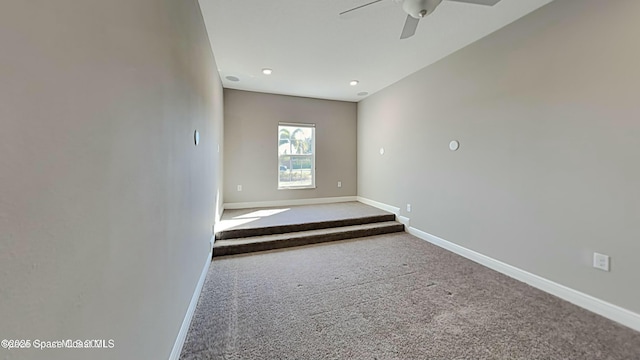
<point x="58" y="344"/>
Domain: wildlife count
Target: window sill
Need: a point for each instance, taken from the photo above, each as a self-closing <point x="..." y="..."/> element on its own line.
<point x="297" y="187"/>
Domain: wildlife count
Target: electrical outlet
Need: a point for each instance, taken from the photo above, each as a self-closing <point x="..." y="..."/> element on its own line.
<point x="408" y="207"/>
<point x="239" y="187"/>
<point x="339" y="184"/>
<point x="601" y="261"/>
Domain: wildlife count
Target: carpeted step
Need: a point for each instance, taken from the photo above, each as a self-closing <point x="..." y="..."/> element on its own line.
<point x="291" y="239"/>
<point x="283" y="229"/>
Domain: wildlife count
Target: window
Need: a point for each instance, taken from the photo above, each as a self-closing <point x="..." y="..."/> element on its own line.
<point x="296" y="156"/>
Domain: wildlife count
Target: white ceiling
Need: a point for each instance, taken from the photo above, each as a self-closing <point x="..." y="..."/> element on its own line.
<point x="315" y="53"/>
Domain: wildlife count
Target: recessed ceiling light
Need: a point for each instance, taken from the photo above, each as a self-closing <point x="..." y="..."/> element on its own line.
<point x="267" y="71"/>
<point x="354" y="82"/>
<point x="363" y="93"/>
<point x="232" y="78"/>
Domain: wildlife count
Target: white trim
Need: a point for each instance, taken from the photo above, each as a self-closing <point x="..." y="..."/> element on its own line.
<point x="404" y="221"/>
<point x="600" y="307"/>
<point x="219" y="211"/>
<point x="379" y="205"/>
<point x="304" y="187"/>
<point x="182" y="334"/>
<point x="313" y="155"/>
<point x="296" y="124"/>
<point x="292" y="202"/>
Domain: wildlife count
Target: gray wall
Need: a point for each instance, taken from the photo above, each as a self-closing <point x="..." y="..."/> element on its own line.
<point x="106" y="205"/>
<point x="251" y="151"/>
<point x="546" y="111"/>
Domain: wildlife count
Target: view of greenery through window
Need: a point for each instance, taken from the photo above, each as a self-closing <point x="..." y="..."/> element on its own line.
<point x="296" y="156"/>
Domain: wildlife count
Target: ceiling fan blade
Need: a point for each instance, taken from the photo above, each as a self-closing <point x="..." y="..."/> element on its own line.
<point x="479" y="2"/>
<point x="350" y="11"/>
<point x="410" y="27"/>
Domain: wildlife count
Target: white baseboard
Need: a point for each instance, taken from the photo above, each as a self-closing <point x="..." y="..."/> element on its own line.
<point x="404" y="221"/>
<point x="600" y="307"/>
<point x="379" y="205"/>
<point x="182" y="334"/>
<point x="219" y="211"/>
<point x="292" y="202"/>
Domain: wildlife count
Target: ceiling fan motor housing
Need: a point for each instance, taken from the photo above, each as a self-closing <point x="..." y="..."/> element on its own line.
<point x="420" y="8"/>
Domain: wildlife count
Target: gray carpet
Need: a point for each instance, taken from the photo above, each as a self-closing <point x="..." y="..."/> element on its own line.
<point x="287" y="215"/>
<point x="301" y="238"/>
<point x="387" y="297"/>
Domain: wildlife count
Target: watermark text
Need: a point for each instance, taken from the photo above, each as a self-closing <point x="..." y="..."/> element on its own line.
<point x="58" y="344"/>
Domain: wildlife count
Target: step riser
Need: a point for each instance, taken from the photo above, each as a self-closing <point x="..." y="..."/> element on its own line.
<point x="315" y="239"/>
<point x="243" y="233"/>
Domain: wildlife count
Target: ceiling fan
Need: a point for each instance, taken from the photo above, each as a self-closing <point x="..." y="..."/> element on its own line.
<point x="416" y="10"/>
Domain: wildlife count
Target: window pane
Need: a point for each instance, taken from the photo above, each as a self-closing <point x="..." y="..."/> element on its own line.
<point x="296" y="156"/>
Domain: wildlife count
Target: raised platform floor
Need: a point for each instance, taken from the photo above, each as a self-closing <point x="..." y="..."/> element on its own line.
<point x="259" y="229"/>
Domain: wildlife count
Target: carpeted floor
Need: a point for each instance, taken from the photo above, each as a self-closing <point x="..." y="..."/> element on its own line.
<point x="287" y="215"/>
<point x="387" y="297"/>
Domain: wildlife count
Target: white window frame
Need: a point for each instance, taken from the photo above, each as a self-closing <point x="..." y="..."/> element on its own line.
<point x="313" y="156"/>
